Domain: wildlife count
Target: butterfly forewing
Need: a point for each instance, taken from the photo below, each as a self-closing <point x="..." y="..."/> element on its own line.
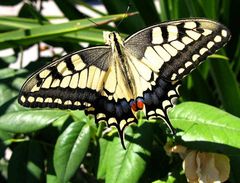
<point x="146" y="69"/>
<point x="71" y="82"/>
<point x="173" y="49"/>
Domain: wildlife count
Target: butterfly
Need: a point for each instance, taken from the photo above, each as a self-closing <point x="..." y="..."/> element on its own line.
<point x="115" y="81"/>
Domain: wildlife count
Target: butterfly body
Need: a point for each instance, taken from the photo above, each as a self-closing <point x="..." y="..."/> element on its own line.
<point x="120" y="60"/>
<point x="114" y="81"/>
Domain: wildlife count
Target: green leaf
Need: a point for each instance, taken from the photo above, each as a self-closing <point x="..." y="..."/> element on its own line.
<point x="17" y="22"/>
<point x="204" y="123"/>
<point x="5" y="61"/>
<point x="217" y="56"/>
<point x="169" y="180"/>
<point x="26" y="163"/>
<point x="9" y="72"/>
<point x="91" y="35"/>
<point x="86" y="35"/>
<point x="44" y="32"/>
<point x="227" y="86"/>
<point x="52" y="179"/>
<point x="128" y="165"/>
<point x="105" y="148"/>
<point x="4" y="136"/>
<point x="6" y="93"/>
<point x="9" y="90"/>
<point x="29" y="120"/>
<point x="78" y="115"/>
<point x="70" y="150"/>
<point x="174" y="8"/>
<point x="209" y="8"/>
<point x="164" y="13"/>
<point x="190" y="6"/>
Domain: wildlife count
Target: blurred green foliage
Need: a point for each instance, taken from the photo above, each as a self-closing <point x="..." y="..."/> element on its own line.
<point x="67" y="146"/>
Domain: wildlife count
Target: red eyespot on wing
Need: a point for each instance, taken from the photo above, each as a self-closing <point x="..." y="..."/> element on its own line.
<point x="140" y="104"/>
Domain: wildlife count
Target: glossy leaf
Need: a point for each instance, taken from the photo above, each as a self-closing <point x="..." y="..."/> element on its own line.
<point x="121" y="163"/>
<point x="105" y="148"/>
<point x="29" y="120"/>
<point x="201" y="122"/>
<point x="78" y="115"/>
<point x="70" y="149"/>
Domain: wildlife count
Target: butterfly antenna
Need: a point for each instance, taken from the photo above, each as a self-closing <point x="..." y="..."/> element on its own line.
<point x="125" y="16"/>
<point x="93" y="22"/>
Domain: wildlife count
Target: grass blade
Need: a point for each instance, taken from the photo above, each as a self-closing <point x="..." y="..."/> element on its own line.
<point x="39" y="33"/>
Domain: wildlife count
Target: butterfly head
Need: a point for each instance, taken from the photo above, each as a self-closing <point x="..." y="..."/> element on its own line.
<point x="112" y="39"/>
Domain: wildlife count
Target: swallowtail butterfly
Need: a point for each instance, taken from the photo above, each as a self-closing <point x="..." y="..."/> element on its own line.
<point x="114" y="81"/>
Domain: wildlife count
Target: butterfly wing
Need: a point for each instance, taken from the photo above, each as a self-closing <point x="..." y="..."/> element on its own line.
<point x="71" y="82"/>
<point x="169" y="51"/>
